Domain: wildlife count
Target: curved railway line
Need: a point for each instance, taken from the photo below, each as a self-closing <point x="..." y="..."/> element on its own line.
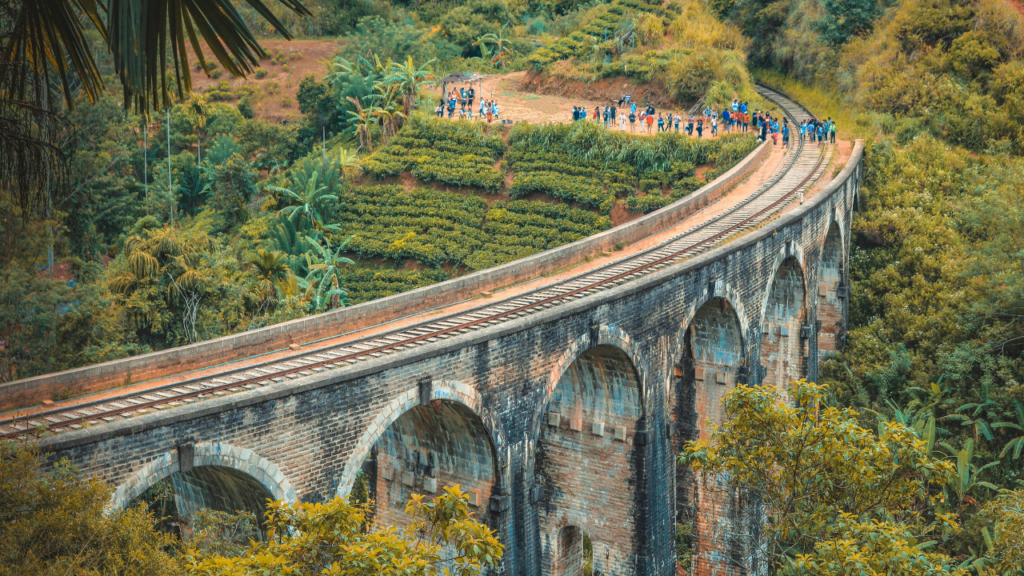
<point x="801" y="167"/>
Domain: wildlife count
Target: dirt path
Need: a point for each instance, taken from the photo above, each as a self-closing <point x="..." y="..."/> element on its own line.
<point x="519" y="106"/>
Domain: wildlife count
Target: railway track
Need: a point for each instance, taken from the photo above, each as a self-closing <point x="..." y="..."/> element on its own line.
<point x="798" y="171"/>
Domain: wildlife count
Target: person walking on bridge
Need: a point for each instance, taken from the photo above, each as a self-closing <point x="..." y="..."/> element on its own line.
<point x="832" y="131"/>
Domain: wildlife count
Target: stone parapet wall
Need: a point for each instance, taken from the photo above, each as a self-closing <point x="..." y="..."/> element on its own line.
<point x="32" y="391"/>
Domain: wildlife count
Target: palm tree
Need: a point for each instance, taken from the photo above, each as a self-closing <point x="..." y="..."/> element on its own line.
<point x="1016" y="444"/>
<point x="324" y="281"/>
<point x="307" y="201"/>
<point x="47" y="57"/>
<point x="197" y="111"/>
<point x="52" y="39"/>
<point x="271" y="272"/>
<point x="407" y="78"/>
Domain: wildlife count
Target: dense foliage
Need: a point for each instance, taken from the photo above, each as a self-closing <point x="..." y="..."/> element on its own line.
<point x="838" y="498"/>
<point x="54" y="523"/>
<point x="331" y="539"/>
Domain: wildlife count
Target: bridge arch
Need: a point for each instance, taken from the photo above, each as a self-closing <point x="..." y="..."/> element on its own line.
<point x="222" y="477"/>
<point x="440" y="390"/>
<point x="830" y="291"/>
<point x="586" y="459"/>
<point x="605" y="335"/>
<point x="712" y="360"/>
<point x="783" y="317"/>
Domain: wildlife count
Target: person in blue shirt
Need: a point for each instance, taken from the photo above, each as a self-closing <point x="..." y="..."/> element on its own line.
<point x="743" y="107"/>
<point x="785" y="134"/>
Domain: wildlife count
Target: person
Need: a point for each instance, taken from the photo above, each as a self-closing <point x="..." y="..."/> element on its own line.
<point x="689" y="126"/>
<point x="632" y="119"/>
<point x="632" y="107"/>
<point x="735" y="104"/>
<point x="597" y="114"/>
<point x="611" y="116"/>
<point x="490" y="112"/>
<point x="661" y="123"/>
<point x="439" y="111"/>
<point x="764" y="132"/>
<point x="462" y="98"/>
<point x="785" y="134"/>
<point x="622" y="121"/>
<point x="575" y="113"/>
<point x="832" y="132"/>
<point x="700" y="127"/>
<point x="604" y="116"/>
<point x="470" y="94"/>
<point x="679" y="118"/>
<point x="451" y="106"/>
<point x="714" y="125"/>
<point x="494" y="105"/>
<point x="650" y="121"/>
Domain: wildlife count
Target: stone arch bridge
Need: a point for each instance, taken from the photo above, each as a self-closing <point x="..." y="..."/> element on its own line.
<point x="564" y="422"/>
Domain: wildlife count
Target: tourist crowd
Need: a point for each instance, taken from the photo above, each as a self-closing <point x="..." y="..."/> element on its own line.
<point x="462" y="99"/>
<point x="735" y="118"/>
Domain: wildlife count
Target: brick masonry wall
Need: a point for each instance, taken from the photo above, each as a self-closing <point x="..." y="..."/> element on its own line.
<point x="429" y="448"/>
<point x="306" y="438"/>
<point x="587" y="473"/>
<point x="830" y="294"/>
<point x="782" y="343"/>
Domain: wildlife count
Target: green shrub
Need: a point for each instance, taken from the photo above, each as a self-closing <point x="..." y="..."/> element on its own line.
<point x="646" y="204"/>
<point x="260" y="73"/>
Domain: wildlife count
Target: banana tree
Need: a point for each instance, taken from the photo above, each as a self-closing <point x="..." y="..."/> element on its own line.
<point x="502" y="46"/>
<point x="966" y="478"/>
<point x="408" y="79"/>
<point x="348" y="162"/>
<point x="1016" y="445"/>
<point x="363" y="120"/>
<point x="324" y="281"/>
<point x="976" y="415"/>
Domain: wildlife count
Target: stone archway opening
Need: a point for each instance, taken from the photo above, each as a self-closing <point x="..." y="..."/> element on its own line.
<point x="831" y="294"/>
<point x="709" y="517"/>
<point x="783" y="334"/>
<point x="426" y="449"/>
<point x="575" y="554"/>
<point x="179" y="499"/>
<point x="586" y="463"/>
